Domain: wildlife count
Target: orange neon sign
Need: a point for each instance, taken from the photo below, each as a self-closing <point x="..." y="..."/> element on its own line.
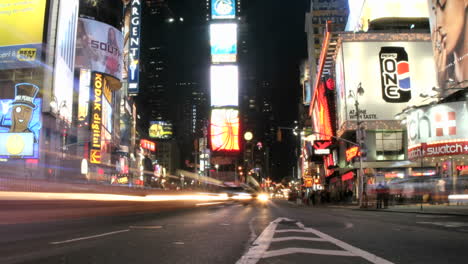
<point x="352" y="152"/>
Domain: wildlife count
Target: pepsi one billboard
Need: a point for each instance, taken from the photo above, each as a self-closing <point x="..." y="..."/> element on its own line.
<point x="394" y="68"/>
<point x="223" y="9"/>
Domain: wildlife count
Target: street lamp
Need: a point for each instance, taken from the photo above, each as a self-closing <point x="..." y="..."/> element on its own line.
<point x="355" y="96"/>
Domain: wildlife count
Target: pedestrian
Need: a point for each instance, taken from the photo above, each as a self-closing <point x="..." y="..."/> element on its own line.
<point x="312" y="197"/>
<point x="379" y="195"/>
<point x="386" y="195"/>
<point x="148" y="170"/>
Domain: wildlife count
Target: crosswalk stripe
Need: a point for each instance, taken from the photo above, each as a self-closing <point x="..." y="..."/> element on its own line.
<point x="291" y="230"/>
<point x="279" y="239"/>
<point x="286" y="251"/>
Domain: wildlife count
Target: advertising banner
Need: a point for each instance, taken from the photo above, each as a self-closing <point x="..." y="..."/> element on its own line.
<point x="224" y="85"/>
<point x="132" y="42"/>
<point x="392" y="74"/>
<point x="448" y="21"/>
<point x="83" y="96"/>
<point x="306" y="93"/>
<point x="64" y="66"/>
<point x="20" y="123"/>
<point x="21" y="47"/>
<point x="224" y="130"/>
<point x="223" y="9"/>
<point x="99" y="48"/>
<point x="223" y="41"/>
<point x="448" y="121"/>
<point x="99" y="82"/>
<point x="160" y="130"/>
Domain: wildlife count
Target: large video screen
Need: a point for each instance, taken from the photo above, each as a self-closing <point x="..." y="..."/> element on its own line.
<point x="224" y="85"/>
<point x="224" y="130"/>
<point x="223" y="41"/>
<point x="20" y="123"/>
<point x="160" y="129"/>
<point x="99" y="47"/>
<point x="223" y="9"/>
<point x="21" y="47"/>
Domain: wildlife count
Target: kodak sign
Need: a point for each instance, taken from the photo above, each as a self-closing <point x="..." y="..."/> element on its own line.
<point x="99" y="84"/>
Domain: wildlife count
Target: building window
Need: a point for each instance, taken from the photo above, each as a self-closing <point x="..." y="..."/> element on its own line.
<point x="389" y="145"/>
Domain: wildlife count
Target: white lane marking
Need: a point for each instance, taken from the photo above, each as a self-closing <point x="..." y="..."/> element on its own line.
<point x="179" y="243"/>
<point x="145" y="227"/>
<point x="224" y="224"/>
<point x="445" y="224"/>
<point x="261" y="244"/>
<point x="291" y="230"/>
<point x="356" y="251"/>
<point x="205" y="204"/>
<point x="279" y="239"/>
<point x="88" y="237"/>
<point x="349" y="225"/>
<point x="286" y="251"/>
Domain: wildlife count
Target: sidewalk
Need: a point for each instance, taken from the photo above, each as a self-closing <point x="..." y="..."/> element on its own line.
<point x="460" y="210"/>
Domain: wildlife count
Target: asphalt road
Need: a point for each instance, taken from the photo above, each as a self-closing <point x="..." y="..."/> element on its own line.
<point x="232" y="233"/>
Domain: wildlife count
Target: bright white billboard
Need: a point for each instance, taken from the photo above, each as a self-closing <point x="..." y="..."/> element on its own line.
<point x="99" y="47"/>
<point x="65" y="58"/>
<point x="223" y="9"/>
<point x="224" y="85"/>
<point x="223" y="42"/>
<point x="393" y="75"/>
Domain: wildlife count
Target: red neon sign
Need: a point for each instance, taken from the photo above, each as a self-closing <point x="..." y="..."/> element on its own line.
<point x="462" y="167"/>
<point x="149" y="145"/>
<point x="352" y="153"/>
<point x="347" y="176"/>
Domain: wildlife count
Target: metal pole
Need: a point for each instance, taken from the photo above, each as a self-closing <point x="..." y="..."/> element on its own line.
<point x="361" y="173"/>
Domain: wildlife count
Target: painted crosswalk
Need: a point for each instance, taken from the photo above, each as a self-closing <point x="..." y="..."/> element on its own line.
<point x="266" y="245"/>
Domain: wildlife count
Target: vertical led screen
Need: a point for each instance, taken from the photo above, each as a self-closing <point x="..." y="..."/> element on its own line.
<point x="224" y="130"/>
<point x="321" y="114"/>
<point x="65" y="57"/>
<point x="224" y="85"/>
<point x="448" y="20"/>
<point x="21" y="47"/>
<point x="223" y="41"/>
<point x="133" y="47"/>
<point x="20" y="123"/>
<point x="223" y="9"/>
<point x="99" y="47"/>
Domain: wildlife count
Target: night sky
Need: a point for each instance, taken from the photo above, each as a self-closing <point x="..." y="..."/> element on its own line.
<point x="278" y="42"/>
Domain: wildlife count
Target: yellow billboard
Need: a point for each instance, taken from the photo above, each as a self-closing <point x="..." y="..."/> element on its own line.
<point x="21" y="31"/>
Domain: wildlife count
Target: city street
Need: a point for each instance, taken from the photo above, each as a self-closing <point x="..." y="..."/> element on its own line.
<point x="233" y="233"/>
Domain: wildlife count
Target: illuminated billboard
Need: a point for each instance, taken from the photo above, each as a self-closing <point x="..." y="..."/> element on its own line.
<point x="83" y="96"/>
<point x="99" y="82"/>
<point x="64" y="66"/>
<point x="223" y="41"/>
<point x="306" y="93"/>
<point x="224" y="130"/>
<point x="224" y="85"/>
<point x="448" y="20"/>
<point x="393" y="74"/>
<point x="160" y="130"/>
<point x="223" y="9"/>
<point x="21" y="31"/>
<point x="20" y="123"/>
<point x="133" y="70"/>
<point x="99" y="47"/>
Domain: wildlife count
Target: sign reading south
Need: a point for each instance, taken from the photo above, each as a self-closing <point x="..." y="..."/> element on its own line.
<point x="395" y="75"/>
<point x="223" y="9"/>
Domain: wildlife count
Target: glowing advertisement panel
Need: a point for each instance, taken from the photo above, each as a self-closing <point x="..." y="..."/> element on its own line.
<point x="99" y="47"/>
<point x="223" y="9"/>
<point x="133" y="70"/>
<point x="21" y="47"/>
<point x="224" y="85"/>
<point x="448" y="20"/>
<point x="83" y="96"/>
<point x="223" y="41"/>
<point x="65" y="57"/>
<point x="224" y="130"/>
<point x="99" y="82"/>
<point x="20" y="123"/>
<point x="392" y="74"/>
<point x="160" y="130"/>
